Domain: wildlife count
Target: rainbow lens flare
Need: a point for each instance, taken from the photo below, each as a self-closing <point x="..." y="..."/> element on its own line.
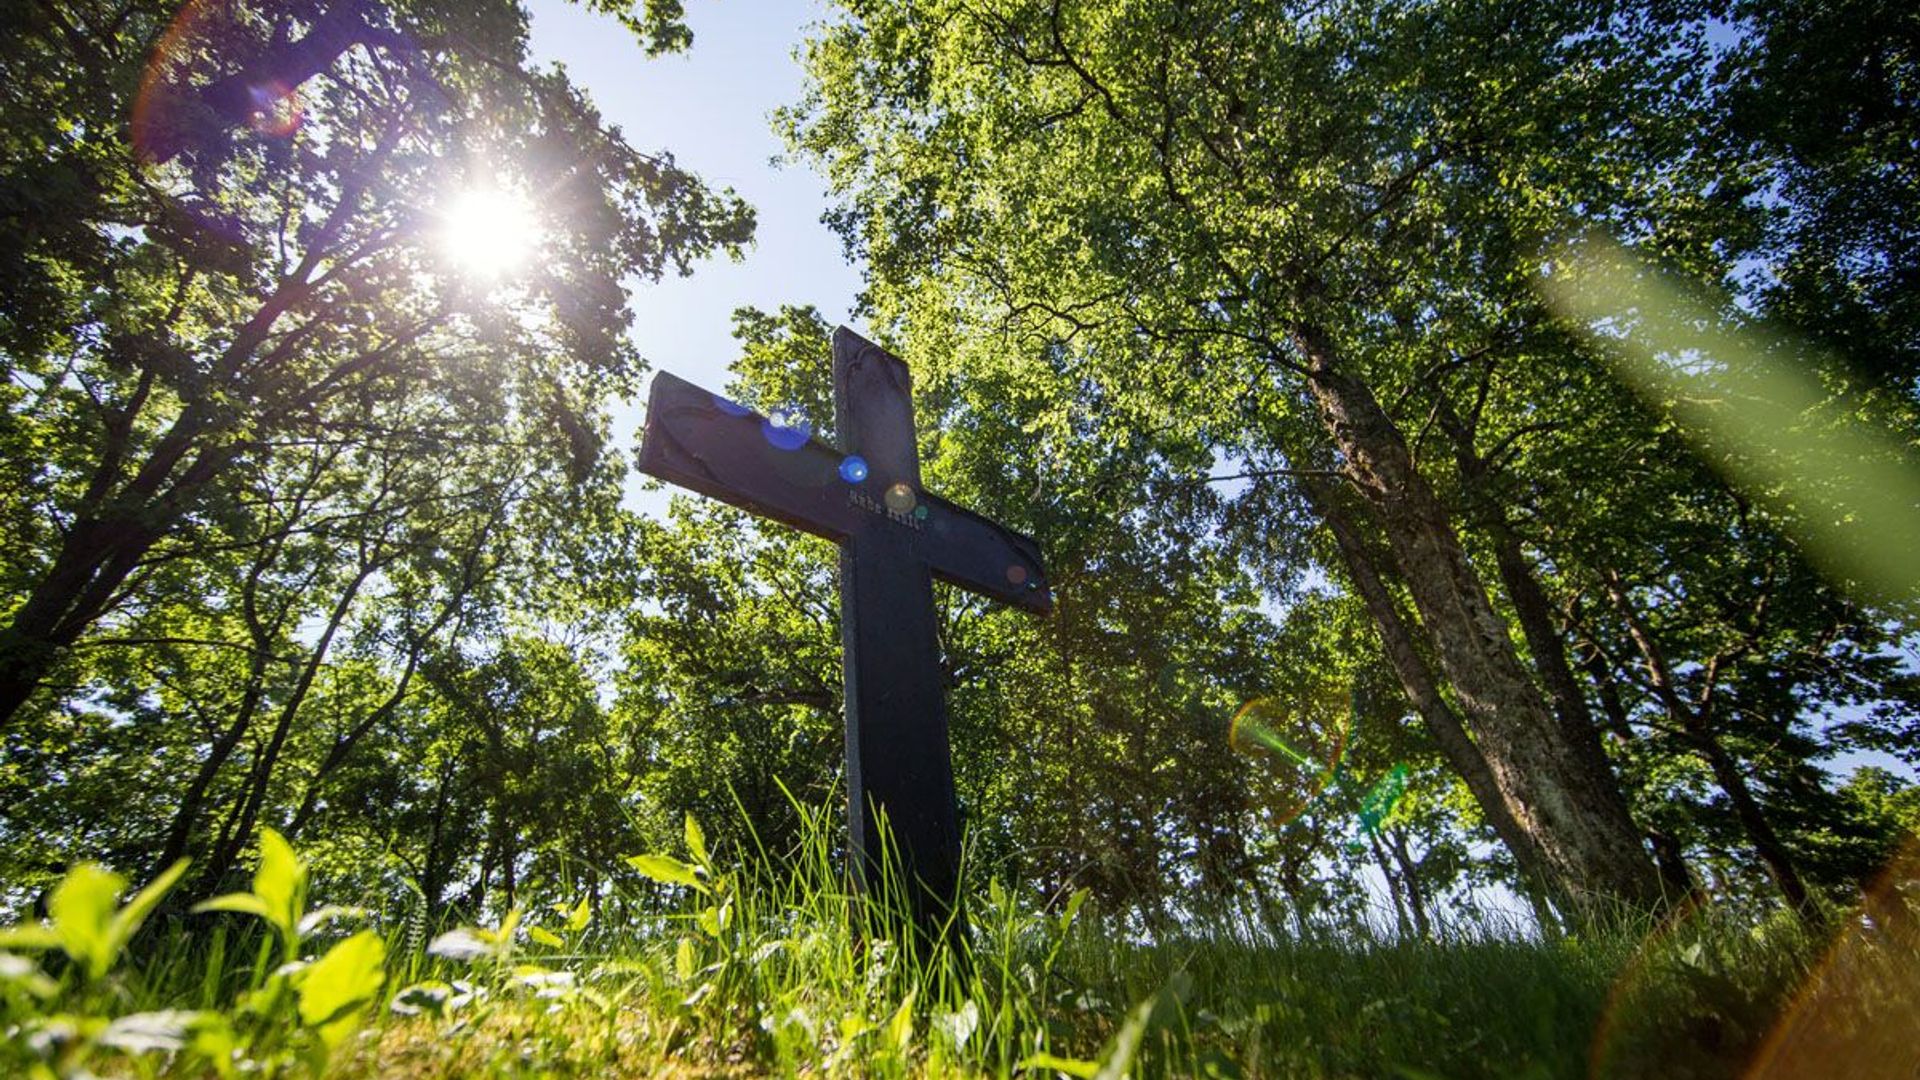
<point x="1300" y="742"/>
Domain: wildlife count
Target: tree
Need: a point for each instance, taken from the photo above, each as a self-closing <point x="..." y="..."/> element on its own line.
<point x="1265" y="225"/>
<point x="224" y="238"/>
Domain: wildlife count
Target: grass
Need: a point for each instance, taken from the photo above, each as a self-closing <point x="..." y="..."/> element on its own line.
<point x="771" y="967"/>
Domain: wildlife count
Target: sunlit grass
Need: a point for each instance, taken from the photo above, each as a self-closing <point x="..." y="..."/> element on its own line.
<point x="772" y="966"/>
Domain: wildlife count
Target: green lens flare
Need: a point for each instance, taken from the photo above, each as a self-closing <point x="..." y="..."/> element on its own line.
<point x="1755" y="407"/>
<point x="1301" y="743"/>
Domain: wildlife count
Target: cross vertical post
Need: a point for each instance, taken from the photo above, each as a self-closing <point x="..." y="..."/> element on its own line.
<point x="895" y="538"/>
<point x="898" y="760"/>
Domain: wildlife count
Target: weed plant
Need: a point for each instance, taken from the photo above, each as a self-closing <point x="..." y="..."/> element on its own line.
<point x="769" y="963"/>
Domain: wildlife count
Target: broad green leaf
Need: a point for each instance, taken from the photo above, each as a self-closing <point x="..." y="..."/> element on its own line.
<point x="502" y="936"/>
<point x="900" y="1027"/>
<point x="1117" y="1059"/>
<point x="545" y="937"/>
<point x="667" y="870"/>
<point x="683" y="960"/>
<point x="126" y="922"/>
<point x="336" y="987"/>
<point x="243" y="902"/>
<point x="1070" y="1066"/>
<point x="696" y="841"/>
<point x="33" y="935"/>
<point x="1074" y="904"/>
<point x="280" y="882"/>
<point x="580" y="916"/>
<point x="82" y="908"/>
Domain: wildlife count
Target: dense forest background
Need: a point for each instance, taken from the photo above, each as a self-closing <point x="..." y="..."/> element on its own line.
<point x="1241" y="309"/>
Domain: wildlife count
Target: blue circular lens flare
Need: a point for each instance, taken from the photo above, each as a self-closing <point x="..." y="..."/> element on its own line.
<point x="731" y="408"/>
<point x="853" y="469"/>
<point x="786" y="429"/>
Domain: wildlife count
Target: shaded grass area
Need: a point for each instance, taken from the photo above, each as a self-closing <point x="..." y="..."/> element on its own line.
<point x="771" y="967"/>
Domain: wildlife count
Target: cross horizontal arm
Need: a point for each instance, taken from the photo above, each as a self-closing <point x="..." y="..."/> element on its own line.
<point x="962" y="548"/>
<point x="702" y="441"/>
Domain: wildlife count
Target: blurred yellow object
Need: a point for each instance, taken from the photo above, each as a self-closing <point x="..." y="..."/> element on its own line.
<point x="1757" y="410"/>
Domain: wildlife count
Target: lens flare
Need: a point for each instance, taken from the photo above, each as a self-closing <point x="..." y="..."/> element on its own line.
<point x="1755" y="407"/>
<point x="1851" y="1015"/>
<point x="900" y="498"/>
<point x="488" y="232"/>
<point x="853" y="469"/>
<point x="730" y="407"/>
<point x="1301" y="743"/>
<point x="276" y="109"/>
<point x="190" y="96"/>
<point x="785" y="429"/>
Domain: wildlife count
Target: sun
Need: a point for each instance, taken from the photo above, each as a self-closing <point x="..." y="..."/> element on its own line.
<point x="488" y="232"/>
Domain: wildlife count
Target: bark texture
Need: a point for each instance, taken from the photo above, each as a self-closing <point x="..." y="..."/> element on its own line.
<point x="1566" y="803"/>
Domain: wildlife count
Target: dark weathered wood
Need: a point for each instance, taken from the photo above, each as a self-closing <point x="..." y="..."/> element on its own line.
<point x="895" y="539"/>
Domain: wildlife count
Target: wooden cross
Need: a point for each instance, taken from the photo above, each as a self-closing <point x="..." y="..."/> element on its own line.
<point x="894" y="538"/>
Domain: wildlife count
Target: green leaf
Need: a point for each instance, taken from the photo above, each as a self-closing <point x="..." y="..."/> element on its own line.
<point x="1074" y="903"/>
<point x="667" y="870"/>
<point x="337" y="987"/>
<point x="900" y="1027"/>
<point x="545" y="937"/>
<point x="33" y="935"/>
<point x="243" y="902"/>
<point x="82" y="908"/>
<point x="580" y="916"/>
<point x="1070" y="1066"/>
<point x="502" y="936"/>
<point x="280" y="882"/>
<point x="696" y="841"/>
<point x="1117" y="1058"/>
<point x="126" y="922"/>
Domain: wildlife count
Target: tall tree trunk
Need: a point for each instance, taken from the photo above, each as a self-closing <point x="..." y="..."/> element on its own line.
<point x="1418" y="682"/>
<point x="114" y="529"/>
<point x="1395" y="885"/>
<point x="260" y="778"/>
<point x="1410" y="875"/>
<point x="1696" y="720"/>
<point x="180" y="831"/>
<point x="1531" y="607"/>
<point x="1572" y="812"/>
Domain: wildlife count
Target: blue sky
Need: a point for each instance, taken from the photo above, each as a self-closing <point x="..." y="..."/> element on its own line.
<point x="710" y="107"/>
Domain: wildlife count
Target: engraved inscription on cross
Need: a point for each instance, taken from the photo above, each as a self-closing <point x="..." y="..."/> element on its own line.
<point x="894" y="539"/>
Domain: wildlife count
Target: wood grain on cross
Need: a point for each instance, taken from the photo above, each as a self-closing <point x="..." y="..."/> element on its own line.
<point x="894" y="538"/>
